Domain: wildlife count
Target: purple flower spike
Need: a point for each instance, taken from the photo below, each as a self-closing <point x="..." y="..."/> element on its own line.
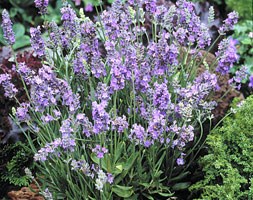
<point x="251" y="81"/>
<point x="226" y="55"/>
<point x="7" y="28"/>
<point x="9" y="88"/>
<point x="101" y="117"/>
<point x="37" y="42"/>
<point x="229" y="22"/>
<point x="100" y="151"/>
<point x="41" y="5"/>
<point x="23" y="112"/>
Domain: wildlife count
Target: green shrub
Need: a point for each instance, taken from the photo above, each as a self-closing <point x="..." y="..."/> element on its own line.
<point x="228" y="165"/>
<point x="14" y="158"/>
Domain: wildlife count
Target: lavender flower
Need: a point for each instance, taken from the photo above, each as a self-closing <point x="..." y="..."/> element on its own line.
<point x="67" y="141"/>
<point x="85" y="124"/>
<point x="37" y="42"/>
<point x="100" y="117"/>
<point x="7" y="28"/>
<point x="195" y="93"/>
<point x="240" y="75"/>
<point x="69" y="22"/>
<point x="9" y="88"/>
<point x="156" y="125"/>
<point x="47" y="194"/>
<point x="99" y="151"/>
<point x="184" y="134"/>
<point x="110" y="178"/>
<point x="139" y="136"/>
<point x="251" y="81"/>
<point x="69" y="98"/>
<point x="150" y="6"/>
<point x="161" y="97"/>
<point x="120" y="124"/>
<point x="41" y="5"/>
<point x="102" y="93"/>
<point x="163" y="55"/>
<point x="88" y="8"/>
<point x="180" y="161"/>
<point x="26" y="73"/>
<point x="47" y="118"/>
<point x="50" y="148"/>
<point x="55" y="35"/>
<point x="101" y="180"/>
<point x="22" y="112"/>
<point x="229" y="23"/>
<point x="227" y="55"/>
<point x="83" y="166"/>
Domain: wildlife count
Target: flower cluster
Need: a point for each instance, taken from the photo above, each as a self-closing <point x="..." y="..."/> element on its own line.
<point x="100" y="117"/>
<point x="229" y="22"/>
<point x="101" y="178"/>
<point x="37" y="42"/>
<point x="99" y="151"/>
<point x="239" y="77"/>
<point x="22" y="112"/>
<point x="41" y="5"/>
<point x="251" y="81"/>
<point x="227" y="56"/>
<point x="66" y="142"/>
<point x="7" y="28"/>
<point x="120" y="124"/>
<point x="9" y="88"/>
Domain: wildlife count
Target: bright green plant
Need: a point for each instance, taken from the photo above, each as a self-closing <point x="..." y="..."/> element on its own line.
<point x="228" y="164"/>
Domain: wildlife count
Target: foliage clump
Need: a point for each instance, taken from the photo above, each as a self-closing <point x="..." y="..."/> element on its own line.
<point x="14" y="158"/>
<point x="228" y="165"/>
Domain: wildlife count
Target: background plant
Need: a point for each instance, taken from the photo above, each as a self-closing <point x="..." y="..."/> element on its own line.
<point x="228" y="164"/>
<point x="14" y="159"/>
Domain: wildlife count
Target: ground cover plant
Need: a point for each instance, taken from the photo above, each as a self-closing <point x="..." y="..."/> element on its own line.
<point x="116" y="111"/>
<point x="228" y="164"/>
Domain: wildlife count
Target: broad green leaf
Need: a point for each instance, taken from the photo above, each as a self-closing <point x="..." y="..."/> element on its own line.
<point x="247" y="41"/>
<point x="119" y="150"/>
<point x="19" y="30"/>
<point x="119" y="167"/>
<point x="22" y="41"/>
<point x="122" y="191"/>
<point x="129" y="162"/>
<point x="13" y="12"/>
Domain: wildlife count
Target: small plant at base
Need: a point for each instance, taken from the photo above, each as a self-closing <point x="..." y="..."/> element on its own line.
<point x="228" y="164"/>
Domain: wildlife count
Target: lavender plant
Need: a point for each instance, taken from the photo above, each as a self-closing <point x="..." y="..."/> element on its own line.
<point x="117" y="109"/>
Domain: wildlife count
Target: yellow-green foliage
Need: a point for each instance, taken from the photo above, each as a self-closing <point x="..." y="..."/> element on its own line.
<point x="228" y="167"/>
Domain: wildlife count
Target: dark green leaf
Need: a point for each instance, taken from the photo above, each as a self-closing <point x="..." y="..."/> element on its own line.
<point x="122" y="191"/>
<point x="181" y="186"/>
<point x="19" y="30"/>
<point x="21" y="42"/>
